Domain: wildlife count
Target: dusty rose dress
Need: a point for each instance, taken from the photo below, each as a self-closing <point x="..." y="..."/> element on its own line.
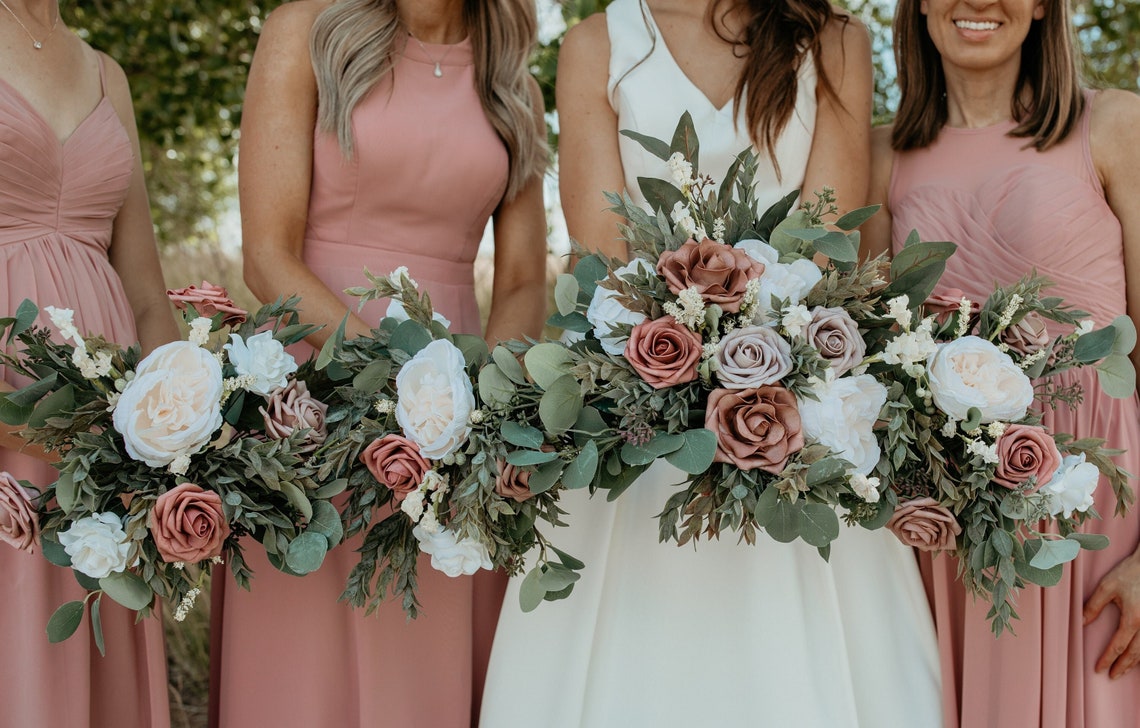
<point x="429" y="172"/>
<point x="57" y="205"/>
<point x="1012" y="210"/>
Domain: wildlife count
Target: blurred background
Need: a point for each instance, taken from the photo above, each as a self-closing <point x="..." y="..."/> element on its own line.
<point x="187" y="64"/>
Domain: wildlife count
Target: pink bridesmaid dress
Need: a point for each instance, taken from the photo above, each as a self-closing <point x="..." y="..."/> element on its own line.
<point x="1012" y="210"/>
<point x="58" y="201"/>
<point x="428" y="173"/>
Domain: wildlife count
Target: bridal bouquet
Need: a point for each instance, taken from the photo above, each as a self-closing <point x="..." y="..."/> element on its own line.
<point x="973" y="469"/>
<point x="165" y="460"/>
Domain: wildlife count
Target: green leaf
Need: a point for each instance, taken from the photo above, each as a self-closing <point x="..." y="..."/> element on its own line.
<point x="522" y="435"/>
<point x="1040" y="577"/>
<point x="297" y="498"/>
<point x="855" y="218"/>
<point x="916" y="269"/>
<point x="590" y="422"/>
<point x="1094" y="345"/>
<point x="685" y="141"/>
<point x="12" y="413"/>
<point x="508" y="364"/>
<point x="973" y="420"/>
<point x="662" y="444"/>
<point x="1089" y="541"/>
<point x="531" y="591"/>
<point x="566" y="294"/>
<point x="307" y="552"/>
<point x="410" y="336"/>
<point x="557" y="577"/>
<point x="589" y="271"/>
<point x="97" y="625"/>
<point x="618" y="484"/>
<point x="66" y="491"/>
<point x="786" y="522"/>
<point x="326" y="521"/>
<point x="61" y="400"/>
<point x="88" y="583"/>
<point x="328" y="490"/>
<point x="1125" y="335"/>
<point x="656" y="147"/>
<point x="128" y="589"/>
<point x="819" y="525"/>
<point x="373" y="377"/>
<point x="32" y="393"/>
<point x="64" y="622"/>
<point x="1054" y="553"/>
<point x="495" y="389"/>
<point x="530" y="457"/>
<point x="545" y="477"/>
<point x="659" y="194"/>
<point x="560" y="405"/>
<point x="1116" y="376"/>
<point x="547" y="363"/>
<point x="765" y="509"/>
<point x="781" y="240"/>
<point x="824" y="470"/>
<point x="54" y="552"/>
<point x="474" y="348"/>
<point x="636" y="454"/>
<point x="26" y="314"/>
<point x="696" y="454"/>
<point x="328" y="351"/>
<point x="574" y="322"/>
<point x="837" y="246"/>
<point x="580" y="471"/>
<point x="775" y="214"/>
<point x="567" y="560"/>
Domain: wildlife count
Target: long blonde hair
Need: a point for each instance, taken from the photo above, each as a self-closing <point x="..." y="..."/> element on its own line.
<point x="353" y="44"/>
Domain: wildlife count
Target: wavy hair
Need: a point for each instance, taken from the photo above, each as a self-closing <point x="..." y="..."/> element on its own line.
<point x="353" y="45"/>
<point x="1047" y="102"/>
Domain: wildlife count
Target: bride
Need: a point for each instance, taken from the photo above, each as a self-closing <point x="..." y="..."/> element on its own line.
<point x="724" y="634"/>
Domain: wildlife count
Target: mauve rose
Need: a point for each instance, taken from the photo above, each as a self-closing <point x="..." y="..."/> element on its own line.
<point x="718" y="272"/>
<point x="925" y="525"/>
<point x="835" y="335"/>
<point x="755" y="428"/>
<point x="188" y="525"/>
<point x="945" y="304"/>
<point x="1028" y="336"/>
<point x="208" y="300"/>
<point x="1025" y="451"/>
<point x="513" y="482"/>
<point x="19" y="521"/>
<point x="752" y="357"/>
<point x="663" y="352"/>
<point x="292" y="407"/>
<point x="396" y="463"/>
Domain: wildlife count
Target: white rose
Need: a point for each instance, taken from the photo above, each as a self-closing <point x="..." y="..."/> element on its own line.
<point x="97" y="545"/>
<point x="788" y="281"/>
<point x="844" y="417"/>
<point x="435" y="399"/>
<point x="604" y="310"/>
<point x="397" y="311"/>
<point x="262" y="358"/>
<point x="172" y="406"/>
<point x="866" y="488"/>
<point x="454" y="558"/>
<point x="972" y="372"/>
<point x="1072" y="486"/>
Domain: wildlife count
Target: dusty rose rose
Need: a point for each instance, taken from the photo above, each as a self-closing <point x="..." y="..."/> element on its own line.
<point x="513" y="482"/>
<point x="1026" y="451"/>
<point x="1028" y="336"/>
<point x="835" y="335"/>
<point x="187" y="524"/>
<point x="396" y="463"/>
<point x="925" y="525"/>
<point x="752" y="357"/>
<point x="720" y="273"/>
<point x="755" y="428"/>
<point x="292" y="407"/>
<point x="19" y="521"/>
<point x="208" y="300"/>
<point x="945" y="304"/>
<point x="663" y="352"/>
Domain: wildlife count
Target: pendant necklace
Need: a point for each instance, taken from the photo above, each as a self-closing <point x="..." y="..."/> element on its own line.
<point x="437" y="71"/>
<point x="38" y="44"/>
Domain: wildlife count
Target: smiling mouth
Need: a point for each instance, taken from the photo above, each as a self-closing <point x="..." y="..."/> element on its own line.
<point x="976" y="24"/>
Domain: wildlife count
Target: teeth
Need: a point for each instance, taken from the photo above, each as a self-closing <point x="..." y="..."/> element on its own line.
<point x="975" y="25"/>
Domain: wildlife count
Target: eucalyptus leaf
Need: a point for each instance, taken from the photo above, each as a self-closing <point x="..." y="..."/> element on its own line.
<point x="557" y="577"/>
<point x="781" y="240"/>
<point x="916" y="269"/>
<point x="567" y="560"/>
<point x="1125" y="335"/>
<point x="531" y="591"/>
<point x="64" y="621"/>
<point x="474" y="348"/>
<point x="307" y="552"/>
<point x="26" y="314"/>
<point x="544" y="478"/>
<point x="54" y="552"/>
<point x="1094" y="345"/>
<point x="547" y="363"/>
<point x="35" y="391"/>
<point x="560" y="405"/>
<point x="685" y="141"/>
<point x="696" y="454"/>
<point x="373" y="377"/>
<point x="580" y="472"/>
<point x="530" y="457"/>
<point x="522" y="435"/>
<point x="590" y="422"/>
<point x="66" y="491"/>
<point x="589" y="271"/>
<point x="495" y="389"/>
<point x="837" y="246"/>
<point x="1040" y="577"/>
<point x="410" y="337"/>
<point x="297" y="499"/>
<point x="765" y="509"/>
<point x="61" y="400"/>
<point x="575" y="322"/>
<point x="1089" y="541"/>
<point x="128" y="589"/>
<point x="328" y="351"/>
<point x="1117" y="376"/>
<point x="656" y="147"/>
<point x="566" y="294"/>
<point x="659" y="194"/>
<point x="88" y="583"/>
<point x="1054" y="553"/>
<point x="97" y="624"/>
<point x="855" y="218"/>
<point x="973" y="420"/>
<point x="787" y="521"/>
<point x="819" y="525"/>
<point x="618" y="484"/>
<point x="328" y="490"/>
<point x="12" y="413"/>
<point x="508" y="364"/>
<point x="824" y="470"/>
<point x="326" y="521"/>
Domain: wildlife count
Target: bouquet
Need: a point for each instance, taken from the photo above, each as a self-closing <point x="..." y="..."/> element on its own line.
<point x="166" y="460"/>
<point x="973" y="470"/>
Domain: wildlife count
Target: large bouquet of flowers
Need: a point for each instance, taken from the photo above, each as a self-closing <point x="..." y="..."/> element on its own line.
<point x="973" y="470"/>
<point x="166" y="460"/>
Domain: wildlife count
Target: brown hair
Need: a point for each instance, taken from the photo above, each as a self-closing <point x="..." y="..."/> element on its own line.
<point x="353" y="43"/>
<point x="1047" y="102"/>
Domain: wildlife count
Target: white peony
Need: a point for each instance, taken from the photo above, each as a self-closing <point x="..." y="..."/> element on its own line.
<point x="435" y="399"/>
<point x="1072" y="486"/>
<point x="865" y="487"/>
<point x="844" y="417"/>
<point x="452" y="557"/>
<point x="604" y="310"/>
<point x="97" y="545"/>
<point x="263" y="359"/>
<point x="788" y="281"/>
<point x="172" y="406"/>
<point x="397" y="311"/>
<point x="972" y="372"/>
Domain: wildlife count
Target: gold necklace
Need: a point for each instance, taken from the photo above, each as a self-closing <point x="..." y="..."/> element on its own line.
<point x="36" y="42"/>
<point x="438" y="71"/>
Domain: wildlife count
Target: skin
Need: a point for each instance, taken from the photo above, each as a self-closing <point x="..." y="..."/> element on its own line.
<point x="589" y="160"/>
<point x="275" y="176"/>
<point x="61" y="81"/>
<point x="981" y="76"/>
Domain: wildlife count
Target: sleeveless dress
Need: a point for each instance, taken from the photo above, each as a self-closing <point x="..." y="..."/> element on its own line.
<point x="429" y="171"/>
<point x="726" y="634"/>
<point x="1011" y="210"/>
<point x="58" y="202"/>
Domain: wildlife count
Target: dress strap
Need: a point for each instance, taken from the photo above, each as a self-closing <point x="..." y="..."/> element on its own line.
<point x="1085" y="130"/>
<point x="633" y="38"/>
<point x="102" y="74"/>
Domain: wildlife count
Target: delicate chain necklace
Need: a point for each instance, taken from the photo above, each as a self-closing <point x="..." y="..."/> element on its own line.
<point x="37" y="43"/>
<point x="438" y="72"/>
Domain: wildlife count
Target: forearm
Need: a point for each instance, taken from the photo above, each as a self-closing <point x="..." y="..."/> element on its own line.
<point x="155" y="325"/>
<point x="517" y="312"/>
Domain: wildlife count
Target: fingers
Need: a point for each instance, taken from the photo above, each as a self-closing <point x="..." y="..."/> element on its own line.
<point x="1101" y="598"/>
<point x="1121" y="641"/>
<point x="1128" y="660"/>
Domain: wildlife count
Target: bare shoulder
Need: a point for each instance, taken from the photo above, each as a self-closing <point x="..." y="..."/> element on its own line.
<point x="584" y="60"/>
<point x="1114" y="130"/>
<point x="882" y="161"/>
<point x="844" y="32"/>
<point x="294" y="18"/>
<point x="587" y="39"/>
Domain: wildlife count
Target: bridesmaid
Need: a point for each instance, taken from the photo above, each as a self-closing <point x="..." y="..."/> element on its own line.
<point x="381" y="133"/>
<point x="1024" y="169"/>
<point x="75" y="232"/>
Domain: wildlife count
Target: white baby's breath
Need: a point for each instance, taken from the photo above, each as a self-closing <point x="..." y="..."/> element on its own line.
<point x="200" y="330"/>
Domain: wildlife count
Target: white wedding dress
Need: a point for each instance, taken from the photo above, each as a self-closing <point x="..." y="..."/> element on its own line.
<point x="725" y="634"/>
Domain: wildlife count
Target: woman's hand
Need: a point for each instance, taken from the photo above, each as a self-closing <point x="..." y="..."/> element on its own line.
<point x="1121" y="587"/>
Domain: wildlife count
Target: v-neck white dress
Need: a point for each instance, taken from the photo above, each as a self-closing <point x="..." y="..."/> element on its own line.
<point x="725" y="634"/>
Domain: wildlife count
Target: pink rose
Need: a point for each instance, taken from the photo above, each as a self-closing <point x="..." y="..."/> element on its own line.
<point x="925" y="525"/>
<point x="755" y="428"/>
<point x="208" y="300"/>
<point x="752" y="357"/>
<point x="719" y="272"/>
<point x="663" y="352"/>
<point x="513" y="482"/>
<point x="396" y="463"/>
<point x="945" y="304"/>
<point x="19" y="521"/>
<point x="835" y="335"/>
<point x="188" y="525"/>
<point x="291" y="408"/>
<point x="1028" y="336"/>
<point x="1026" y="452"/>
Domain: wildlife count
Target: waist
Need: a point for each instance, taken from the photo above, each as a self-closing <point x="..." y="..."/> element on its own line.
<point x="379" y="260"/>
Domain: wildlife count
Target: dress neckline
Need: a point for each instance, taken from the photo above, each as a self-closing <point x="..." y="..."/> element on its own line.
<point x="446" y="54"/>
<point x="726" y="106"/>
<point x="39" y="117"/>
